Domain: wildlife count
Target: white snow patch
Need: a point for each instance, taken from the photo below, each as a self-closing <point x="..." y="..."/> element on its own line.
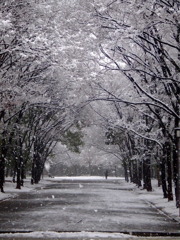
<point x="11" y="191"/>
<point x="69" y="235"/>
<point x="86" y="178"/>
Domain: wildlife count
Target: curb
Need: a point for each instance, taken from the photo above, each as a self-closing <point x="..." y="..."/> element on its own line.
<point x="174" y="219"/>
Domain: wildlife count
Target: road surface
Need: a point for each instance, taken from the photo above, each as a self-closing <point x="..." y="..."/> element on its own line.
<point x="73" y="206"/>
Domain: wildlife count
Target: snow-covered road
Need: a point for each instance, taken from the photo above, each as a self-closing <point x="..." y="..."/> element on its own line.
<point x="83" y="205"/>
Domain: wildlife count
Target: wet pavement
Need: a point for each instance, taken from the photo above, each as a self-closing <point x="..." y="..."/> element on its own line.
<point x="74" y="206"/>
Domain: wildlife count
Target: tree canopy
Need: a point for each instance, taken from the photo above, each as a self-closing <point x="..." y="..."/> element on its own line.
<point x="109" y="64"/>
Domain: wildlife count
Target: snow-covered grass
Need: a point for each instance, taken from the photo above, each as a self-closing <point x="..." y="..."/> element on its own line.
<point x="162" y="204"/>
<point x="11" y="191"/>
<point x="69" y="235"/>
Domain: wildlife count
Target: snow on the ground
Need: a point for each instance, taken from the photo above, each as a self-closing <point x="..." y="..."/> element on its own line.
<point x="84" y="178"/>
<point x="11" y="191"/>
<point x="155" y="198"/>
<point x="69" y="235"/>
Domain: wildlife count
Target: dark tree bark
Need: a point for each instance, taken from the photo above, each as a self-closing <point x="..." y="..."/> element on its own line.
<point x="169" y="171"/>
<point x="176" y="163"/>
<point x="130" y="171"/>
<point x="2" y="173"/>
<point x="158" y="175"/>
<point x="126" y="171"/>
<point x="175" y="173"/>
<point x="147" y="174"/>
<point x="140" y="174"/>
<point x="163" y="176"/>
<point x="18" y="177"/>
<point x="3" y="152"/>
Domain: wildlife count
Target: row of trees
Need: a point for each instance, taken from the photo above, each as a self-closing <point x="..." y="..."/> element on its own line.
<point x="37" y="101"/>
<point x="121" y="57"/>
<point x="140" y="54"/>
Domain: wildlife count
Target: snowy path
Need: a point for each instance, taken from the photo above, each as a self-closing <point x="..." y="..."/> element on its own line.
<point x="94" y="206"/>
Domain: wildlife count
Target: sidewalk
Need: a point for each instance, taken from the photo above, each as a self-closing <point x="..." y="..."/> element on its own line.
<point x="156" y="200"/>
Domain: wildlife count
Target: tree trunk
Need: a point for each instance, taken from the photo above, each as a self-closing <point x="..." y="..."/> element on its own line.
<point x="125" y="171"/>
<point x="175" y="171"/>
<point x="139" y="174"/>
<point x="2" y="162"/>
<point x="22" y="174"/>
<point x="19" y="163"/>
<point x="169" y="171"/>
<point x="163" y="175"/>
<point x="33" y="172"/>
<point x="2" y="169"/>
<point x="158" y="176"/>
<point x="147" y="174"/>
<point x="130" y="171"/>
<point x="18" y="179"/>
<point x="134" y="172"/>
